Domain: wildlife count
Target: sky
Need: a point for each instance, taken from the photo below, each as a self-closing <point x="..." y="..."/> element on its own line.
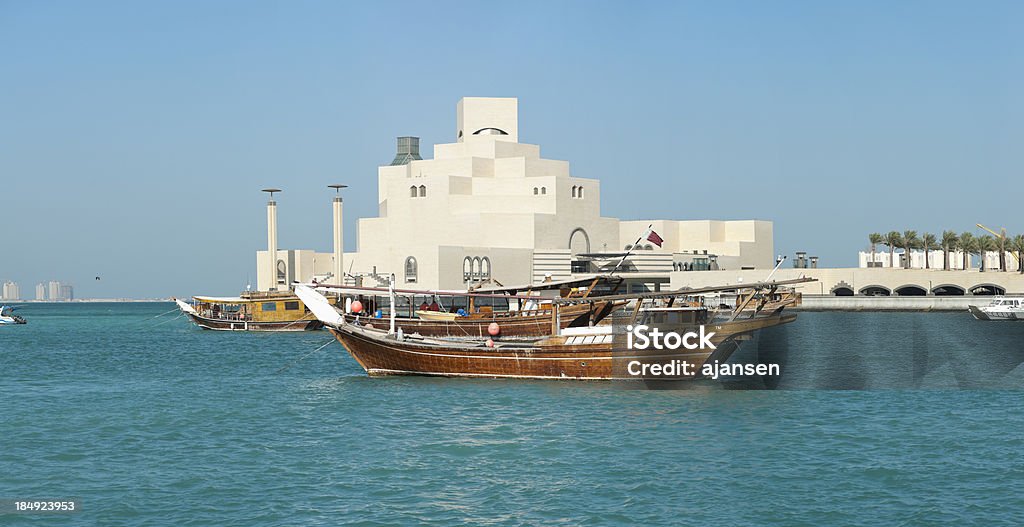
<point x="135" y="136"/>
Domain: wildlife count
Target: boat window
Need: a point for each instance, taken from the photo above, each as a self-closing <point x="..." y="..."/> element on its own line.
<point x="291" y="306"/>
<point x="270" y="306"/>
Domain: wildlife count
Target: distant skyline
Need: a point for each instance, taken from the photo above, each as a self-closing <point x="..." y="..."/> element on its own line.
<point x="136" y="137"/>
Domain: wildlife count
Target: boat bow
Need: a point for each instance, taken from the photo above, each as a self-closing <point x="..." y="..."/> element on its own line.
<point x="319" y="306"/>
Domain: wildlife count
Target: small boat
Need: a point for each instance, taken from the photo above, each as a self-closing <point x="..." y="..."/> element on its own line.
<point x="1000" y="308"/>
<point x="589" y="351"/>
<point x="8" y="318"/>
<point x="250" y="311"/>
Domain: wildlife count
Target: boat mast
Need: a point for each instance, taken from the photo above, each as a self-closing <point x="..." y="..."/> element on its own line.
<point x="394" y="304"/>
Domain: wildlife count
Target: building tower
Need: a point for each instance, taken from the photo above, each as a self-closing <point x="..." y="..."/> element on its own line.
<point x="338" y="269"/>
<point x="272" y="237"/>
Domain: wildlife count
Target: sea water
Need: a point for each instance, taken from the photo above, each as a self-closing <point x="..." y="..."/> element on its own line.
<point x="877" y="419"/>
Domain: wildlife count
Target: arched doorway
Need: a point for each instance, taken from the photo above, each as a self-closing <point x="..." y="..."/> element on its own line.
<point x="948" y="290"/>
<point x="987" y="290"/>
<point x="875" y="290"/>
<point x="911" y="290"/>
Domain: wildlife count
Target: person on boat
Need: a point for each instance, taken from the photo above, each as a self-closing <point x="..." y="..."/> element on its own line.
<point x="424" y="306"/>
<point x="434" y="305"/>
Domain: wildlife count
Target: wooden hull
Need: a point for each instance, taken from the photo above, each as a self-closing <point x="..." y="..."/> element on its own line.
<point x="550" y="358"/>
<point x="217" y="324"/>
<point x="533" y="325"/>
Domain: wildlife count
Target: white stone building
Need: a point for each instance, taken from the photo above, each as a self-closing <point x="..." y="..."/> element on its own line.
<point x="935" y="259"/>
<point x="489" y="207"/>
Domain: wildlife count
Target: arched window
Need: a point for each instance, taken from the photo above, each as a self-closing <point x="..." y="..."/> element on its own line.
<point x="536" y="191"/>
<point x="579" y="242"/>
<point x="412" y="191"/>
<point x="467" y="268"/>
<point x="648" y="247"/>
<point x="282" y="272"/>
<point x="476" y="268"/>
<point x="628" y="247"/>
<point x="423" y="191"/>
<point x="543" y="190"/>
<point x="410" y="269"/>
<point x="574" y="191"/>
<point x="485" y="268"/>
<point x="579" y="192"/>
<point x="490" y="131"/>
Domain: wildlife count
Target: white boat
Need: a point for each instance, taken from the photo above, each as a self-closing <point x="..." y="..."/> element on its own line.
<point x="1001" y="308"/>
<point x="8" y="318"/>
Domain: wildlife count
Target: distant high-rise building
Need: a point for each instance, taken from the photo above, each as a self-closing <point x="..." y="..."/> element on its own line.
<point x="11" y="291"/>
<point x="40" y="291"/>
<point x="57" y="291"/>
<point x="53" y="290"/>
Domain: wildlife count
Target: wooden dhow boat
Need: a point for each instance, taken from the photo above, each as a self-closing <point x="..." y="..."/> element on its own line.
<point x="250" y="311"/>
<point x="526" y="311"/>
<point x="591" y="351"/>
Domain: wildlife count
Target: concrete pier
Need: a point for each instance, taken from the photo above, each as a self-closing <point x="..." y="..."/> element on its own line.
<point x="890" y="303"/>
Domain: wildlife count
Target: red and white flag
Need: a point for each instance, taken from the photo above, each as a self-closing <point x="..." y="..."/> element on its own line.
<point x="654" y="238"/>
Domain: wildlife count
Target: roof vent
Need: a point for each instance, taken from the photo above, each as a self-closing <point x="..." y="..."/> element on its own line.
<point x="408" y="151"/>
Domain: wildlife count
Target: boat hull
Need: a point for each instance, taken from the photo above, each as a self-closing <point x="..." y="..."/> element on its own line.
<point x="216" y="324"/>
<point x="381" y="356"/>
<point x="986" y="314"/>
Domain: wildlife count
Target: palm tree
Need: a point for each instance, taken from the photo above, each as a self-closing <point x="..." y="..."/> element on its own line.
<point x="986" y="244"/>
<point x="968" y="244"/>
<point x="1002" y="250"/>
<point x="893" y="240"/>
<point x="929" y="241"/>
<point x="910" y="241"/>
<point x="949" y="242"/>
<point x="875" y="239"/>
<point x="1017" y="244"/>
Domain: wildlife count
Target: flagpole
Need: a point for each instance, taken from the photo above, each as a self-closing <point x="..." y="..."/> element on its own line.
<point x="616" y="268"/>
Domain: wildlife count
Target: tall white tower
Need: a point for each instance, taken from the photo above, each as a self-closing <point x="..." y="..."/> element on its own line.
<point x="272" y="236"/>
<point x="338" y="269"/>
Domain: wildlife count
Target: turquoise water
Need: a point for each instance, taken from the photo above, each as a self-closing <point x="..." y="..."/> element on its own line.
<point x="169" y="425"/>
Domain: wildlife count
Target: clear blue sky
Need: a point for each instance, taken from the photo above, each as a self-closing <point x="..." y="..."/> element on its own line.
<point x="135" y="136"/>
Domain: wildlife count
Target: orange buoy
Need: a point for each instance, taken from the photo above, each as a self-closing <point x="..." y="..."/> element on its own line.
<point x="493" y="329"/>
<point x="357" y="306"/>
